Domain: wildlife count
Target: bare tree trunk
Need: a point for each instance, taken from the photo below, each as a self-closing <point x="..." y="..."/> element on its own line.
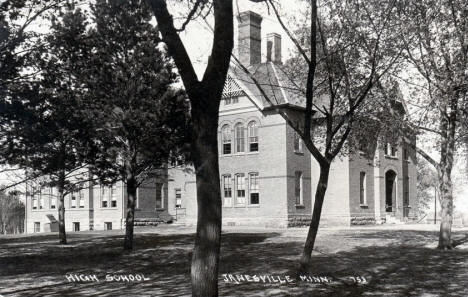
<point x="61" y="208"/>
<point x="314" y="224"/>
<point x="447" y="151"/>
<point x="446" y="214"/>
<point x="129" y="222"/>
<point x="205" y="258"/>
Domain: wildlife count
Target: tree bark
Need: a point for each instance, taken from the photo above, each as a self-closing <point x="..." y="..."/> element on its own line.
<point x="61" y="208"/>
<point x="314" y="223"/>
<point x="446" y="206"/>
<point x="129" y="221"/>
<point x="205" y="258"/>
<point x="448" y="128"/>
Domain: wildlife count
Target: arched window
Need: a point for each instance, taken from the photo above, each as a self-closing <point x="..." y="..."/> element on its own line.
<point x="226" y="139"/>
<point x="253" y="136"/>
<point x="240" y="138"/>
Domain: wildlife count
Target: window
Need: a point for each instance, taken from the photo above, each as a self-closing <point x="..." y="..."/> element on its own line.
<point x="405" y="154"/>
<point x="362" y="188"/>
<point x="240" y="188"/>
<point x="37" y="227"/>
<point x="159" y="196"/>
<point x="41" y="200"/>
<point x="73" y="201"/>
<point x="297" y="143"/>
<point x="76" y="226"/>
<point x="240" y="138"/>
<point x="298" y="188"/>
<point x="253" y="136"/>
<point x="406" y="192"/>
<point x="107" y="225"/>
<point x="226" y="139"/>
<point x="113" y="195"/>
<point x="34" y="202"/>
<point x="81" y="199"/>
<point x="231" y="100"/>
<point x="104" y="197"/>
<point x="227" y="190"/>
<point x="253" y="189"/>
<point x="53" y="199"/>
<point x="137" y="198"/>
<point x="390" y="150"/>
<point x="178" y="198"/>
<point x="362" y="145"/>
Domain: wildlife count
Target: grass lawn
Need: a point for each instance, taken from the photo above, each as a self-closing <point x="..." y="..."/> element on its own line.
<point x="393" y="260"/>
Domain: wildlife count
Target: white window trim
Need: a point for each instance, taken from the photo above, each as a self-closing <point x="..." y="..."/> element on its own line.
<point x="228" y="177"/>
<point x="301" y="188"/>
<point x="363" y="184"/>
<point x="237" y="139"/>
<point x="388" y="151"/>
<point x="175" y="197"/>
<point x="249" y="136"/>
<point x="300" y="149"/>
<point x="226" y="140"/>
<point x="240" y="176"/>
<point x="255" y="190"/>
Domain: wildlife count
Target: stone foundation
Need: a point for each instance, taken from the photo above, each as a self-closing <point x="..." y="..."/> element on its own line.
<point x="362" y="221"/>
<point x="299" y="221"/>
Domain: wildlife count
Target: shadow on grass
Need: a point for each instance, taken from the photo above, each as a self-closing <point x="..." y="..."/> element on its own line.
<point x="394" y="263"/>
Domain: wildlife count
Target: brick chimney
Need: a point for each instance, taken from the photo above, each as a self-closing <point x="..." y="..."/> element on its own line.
<point x="250" y="35"/>
<point x="274" y="48"/>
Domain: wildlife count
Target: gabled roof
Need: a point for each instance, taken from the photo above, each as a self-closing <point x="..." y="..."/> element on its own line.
<point x="271" y="79"/>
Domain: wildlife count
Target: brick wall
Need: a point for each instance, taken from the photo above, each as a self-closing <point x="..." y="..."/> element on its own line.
<point x="336" y="205"/>
<point x="361" y="213"/>
<point x="298" y="215"/>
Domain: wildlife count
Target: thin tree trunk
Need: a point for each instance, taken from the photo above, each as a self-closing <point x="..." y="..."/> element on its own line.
<point x="61" y="209"/>
<point x="129" y="222"/>
<point x="447" y="151"/>
<point x="314" y="223"/>
<point x="446" y="214"/>
<point x="205" y="258"/>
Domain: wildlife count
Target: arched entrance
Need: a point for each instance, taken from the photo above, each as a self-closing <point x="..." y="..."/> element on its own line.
<point x="390" y="191"/>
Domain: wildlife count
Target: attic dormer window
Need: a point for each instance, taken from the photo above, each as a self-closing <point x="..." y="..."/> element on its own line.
<point x="231" y="100"/>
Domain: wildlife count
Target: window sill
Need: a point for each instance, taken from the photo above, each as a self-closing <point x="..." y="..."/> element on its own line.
<point x="115" y="207"/>
<point x="239" y="206"/>
<point x="239" y="154"/>
<point x="391" y="157"/>
<point x="254" y="205"/>
<point x="251" y="153"/>
<point x="300" y="206"/>
<point x="160" y="209"/>
<point x="363" y="206"/>
<point x="299" y="153"/>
